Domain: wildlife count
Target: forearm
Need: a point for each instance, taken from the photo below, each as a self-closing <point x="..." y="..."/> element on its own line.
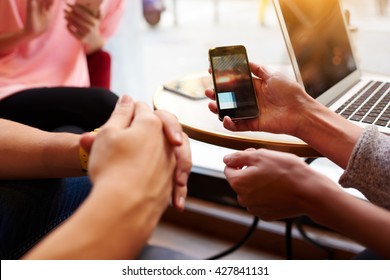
<point x="10" y="41"/>
<point x="328" y="133"/>
<point x="27" y="152"/>
<point x="357" y="219"/>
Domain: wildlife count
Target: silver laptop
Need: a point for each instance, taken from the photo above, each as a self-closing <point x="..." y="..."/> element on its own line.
<point x="324" y="62"/>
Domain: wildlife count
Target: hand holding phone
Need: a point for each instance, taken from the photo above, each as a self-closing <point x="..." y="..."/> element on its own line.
<point x="232" y="78"/>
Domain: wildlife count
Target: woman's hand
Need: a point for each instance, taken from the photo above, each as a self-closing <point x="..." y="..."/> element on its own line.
<point x="85" y="26"/>
<point x="275" y="185"/>
<point x="38" y="17"/>
<point x="282" y="104"/>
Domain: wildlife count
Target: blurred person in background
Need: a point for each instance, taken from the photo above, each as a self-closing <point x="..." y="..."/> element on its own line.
<point x="44" y="49"/>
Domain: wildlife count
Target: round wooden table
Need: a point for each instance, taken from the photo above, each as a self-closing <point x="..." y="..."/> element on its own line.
<point x="202" y="125"/>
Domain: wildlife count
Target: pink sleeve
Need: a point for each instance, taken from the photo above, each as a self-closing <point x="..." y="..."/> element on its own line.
<point x="112" y="12"/>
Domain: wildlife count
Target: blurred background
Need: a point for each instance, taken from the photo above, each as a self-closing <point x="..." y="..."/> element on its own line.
<point x="145" y="56"/>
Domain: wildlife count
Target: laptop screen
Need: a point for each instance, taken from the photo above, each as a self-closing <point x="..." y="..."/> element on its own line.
<point x="319" y="42"/>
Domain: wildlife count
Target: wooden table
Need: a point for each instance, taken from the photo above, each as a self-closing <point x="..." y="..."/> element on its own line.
<point x="200" y="124"/>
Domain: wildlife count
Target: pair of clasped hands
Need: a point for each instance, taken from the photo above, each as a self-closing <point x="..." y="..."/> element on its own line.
<point x="82" y="23"/>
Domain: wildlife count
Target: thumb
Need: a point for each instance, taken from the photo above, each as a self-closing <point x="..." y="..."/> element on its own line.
<point x="239" y="160"/>
<point x="87" y="140"/>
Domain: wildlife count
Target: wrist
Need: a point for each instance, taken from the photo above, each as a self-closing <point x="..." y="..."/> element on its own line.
<point x="84" y="148"/>
<point x="310" y="117"/>
<point x="61" y="155"/>
<point x="90" y="48"/>
<point x="329" y="133"/>
<point x="322" y="206"/>
<point x="124" y="201"/>
<point x="318" y="195"/>
<point x="302" y="116"/>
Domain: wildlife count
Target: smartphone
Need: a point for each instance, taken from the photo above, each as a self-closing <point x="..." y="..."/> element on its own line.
<point x="192" y="86"/>
<point x="92" y="5"/>
<point x="232" y="78"/>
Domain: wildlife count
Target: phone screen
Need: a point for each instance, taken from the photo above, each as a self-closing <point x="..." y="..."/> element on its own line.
<point x="233" y="84"/>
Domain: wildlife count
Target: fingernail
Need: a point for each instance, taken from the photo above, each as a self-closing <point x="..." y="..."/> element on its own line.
<point x="125" y="99"/>
<point x="182" y="178"/>
<point x="226" y="158"/>
<point x="182" y="202"/>
<point x="178" y="137"/>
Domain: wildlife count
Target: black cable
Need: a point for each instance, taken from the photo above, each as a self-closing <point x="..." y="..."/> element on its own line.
<point x="240" y="243"/>
<point x="310" y="160"/>
<point x="288" y="239"/>
<point x="288" y="235"/>
<point x="313" y="242"/>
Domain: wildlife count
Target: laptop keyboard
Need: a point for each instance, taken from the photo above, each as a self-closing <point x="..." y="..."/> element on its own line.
<point x="369" y="105"/>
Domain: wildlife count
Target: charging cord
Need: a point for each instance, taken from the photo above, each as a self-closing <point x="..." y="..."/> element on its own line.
<point x="240" y="243"/>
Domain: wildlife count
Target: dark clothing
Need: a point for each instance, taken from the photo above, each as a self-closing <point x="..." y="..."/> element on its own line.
<point x="29" y="209"/>
<point x="50" y="108"/>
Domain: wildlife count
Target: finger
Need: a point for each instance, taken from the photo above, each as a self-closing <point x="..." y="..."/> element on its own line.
<point x="232" y="172"/>
<point x="259" y="71"/>
<point x="88" y="11"/>
<point x="213" y="107"/>
<point x="48" y="4"/>
<point x="183" y="162"/>
<point x="144" y="117"/>
<point x="82" y="12"/>
<point x="229" y="124"/>
<point x="237" y="175"/>
<point x="239" y="125"/>
<point x="172" y="128"/>
<point x="210" y="93"/>
<point x="179" y="195"/>
<point x="252" y="156"/>
<point x="72" y="30"/>
<point x="123" y="113"/>
<point x="78" y="23"/>
<point x="240" y="159"/>
<point x="87" y="140"/>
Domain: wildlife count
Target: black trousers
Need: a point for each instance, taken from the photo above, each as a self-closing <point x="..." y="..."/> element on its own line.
<point x="30" y="209"/>
<point x="51" y="108"/>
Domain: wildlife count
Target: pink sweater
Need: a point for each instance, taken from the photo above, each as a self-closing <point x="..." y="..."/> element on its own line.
<point x="55" y="58"/>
